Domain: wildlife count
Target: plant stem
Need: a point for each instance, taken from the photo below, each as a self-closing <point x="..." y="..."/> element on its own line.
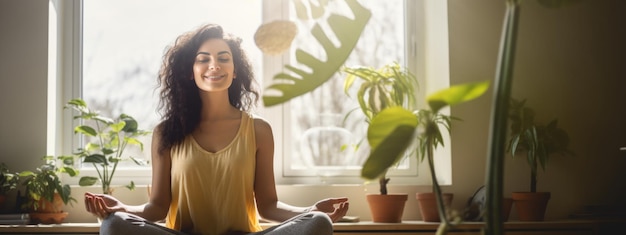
<point x="445" y="225"/>
<point x="382" y="181"/>
<point x="499" y="115"/>
<point x="105" y="170"/>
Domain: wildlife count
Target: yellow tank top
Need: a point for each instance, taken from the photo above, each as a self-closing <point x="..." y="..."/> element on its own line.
<point x="212" y="193"/>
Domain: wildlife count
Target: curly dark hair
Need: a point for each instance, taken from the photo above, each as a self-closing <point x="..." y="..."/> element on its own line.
<point x="180" y="103"/>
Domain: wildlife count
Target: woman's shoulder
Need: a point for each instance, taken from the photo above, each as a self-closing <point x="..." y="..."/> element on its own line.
<point x="261" y="124"/>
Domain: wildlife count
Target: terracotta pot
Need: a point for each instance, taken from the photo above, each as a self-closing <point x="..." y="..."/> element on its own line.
<point x="387" y="208"/>
<point x="47" y="218"/>
<point x="531" y="206"/>
<point x="428" y="205"/>
<point x="45" y="206"/>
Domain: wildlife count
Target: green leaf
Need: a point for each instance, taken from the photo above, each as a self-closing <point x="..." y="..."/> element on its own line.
<point x="87" y="181"/>
<point x="131" y="186"/>
<point x="385" y="123"/>
<point x="77" y="103"/>
<point x="105" y="120"/>
<point x="67" y="160"/>
<point x="346" y="30"/>
<point x="70" y="171"/>
<point x="456" y="94"/>
<point x="117" y="127"/>
<point x="388" y="152"/>
<point x="66" y="193"/>
<point x="134" y="141"/>
<point x="86" y="130"/>
<point x="107" y="151"/>
<point x="92" y="146"/>
<point x="131" y="123"/>
<point x="26" y="173"/>
<point x="96" y="158"/>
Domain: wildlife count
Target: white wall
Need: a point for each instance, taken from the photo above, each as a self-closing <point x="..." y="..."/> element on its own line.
<point x="23" y="82"/>
<point x="569" y="66"/>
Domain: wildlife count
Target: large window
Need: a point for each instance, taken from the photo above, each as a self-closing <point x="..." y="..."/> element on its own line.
<point x="118" y="48"/>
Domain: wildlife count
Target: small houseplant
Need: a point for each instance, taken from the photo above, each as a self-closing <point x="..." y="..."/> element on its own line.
<point x="539" y="142"/>
<point x="8" y="182"/>
<point x="393" y="128"/>
<point x="45" y="193"/>
<point x="388" y="86"/>
<point x="108" y="140"/>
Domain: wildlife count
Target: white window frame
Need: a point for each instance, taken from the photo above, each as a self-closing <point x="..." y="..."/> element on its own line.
<point x="428" y="54"/>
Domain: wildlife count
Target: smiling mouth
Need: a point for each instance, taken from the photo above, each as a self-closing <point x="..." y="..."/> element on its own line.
<point x="214" y="77"/>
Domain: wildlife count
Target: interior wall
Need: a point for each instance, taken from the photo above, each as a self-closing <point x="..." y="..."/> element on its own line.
<point x="23" y="82"/>
<point x="570" y="65"/>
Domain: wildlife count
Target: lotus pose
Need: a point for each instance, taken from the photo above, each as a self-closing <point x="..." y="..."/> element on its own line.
<point x="212" y="160"/>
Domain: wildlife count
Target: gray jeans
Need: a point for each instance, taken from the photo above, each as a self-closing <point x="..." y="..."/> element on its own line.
<point x="312" y="223"/>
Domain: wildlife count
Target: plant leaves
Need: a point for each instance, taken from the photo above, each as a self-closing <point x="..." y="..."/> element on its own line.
<point x="117" y="127"/>
<point x="96" y="158"/>
<point x="456" y="94"/>
<point x="69" y="170"/>
<point x="105" y="120"/>
<point x="26" y="173"/>
<point x="86" y="130"/>
<point x="389" y="134"/>
<point x="78" y="105"/>
<point x="388" y="152"/>
<point x="385" y="123"/>
<point x="87" y="181"/>
<point x="131" y="186"/>
<point x="346" y="30"/>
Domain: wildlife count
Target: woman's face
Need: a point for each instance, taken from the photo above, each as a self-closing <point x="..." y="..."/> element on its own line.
<point x="213" y="68"/>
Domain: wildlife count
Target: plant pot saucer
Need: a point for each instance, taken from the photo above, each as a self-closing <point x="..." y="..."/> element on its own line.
<point x="47" y="218"/>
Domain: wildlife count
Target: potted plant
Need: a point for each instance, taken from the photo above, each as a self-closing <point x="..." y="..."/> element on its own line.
<point x="45" y="193"/>
<point x="539" y="142"/>
<point x="393" y="128"/>
<point x="388" y="86"/>
<point x="108" y="140"/>
<point x="8" y="182"/>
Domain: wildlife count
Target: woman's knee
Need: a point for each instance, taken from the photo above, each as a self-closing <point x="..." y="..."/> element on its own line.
<point x="114" y="222"/>
<point x="321" y="222"/>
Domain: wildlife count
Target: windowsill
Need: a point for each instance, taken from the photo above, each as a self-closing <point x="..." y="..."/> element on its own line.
<point x="406" y="226"/>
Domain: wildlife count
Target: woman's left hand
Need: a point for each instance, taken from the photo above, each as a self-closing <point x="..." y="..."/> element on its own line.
<point x="336" y="208"/>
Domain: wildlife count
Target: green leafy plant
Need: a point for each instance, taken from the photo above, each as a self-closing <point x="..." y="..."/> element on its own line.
<point x="391" y="131"/>
<point x="108" y="140"/>
<point x="537" y="140"/>
<point x="8" y="180"/>
<point x="388" y="86"/>
<point x="45" y="182"/>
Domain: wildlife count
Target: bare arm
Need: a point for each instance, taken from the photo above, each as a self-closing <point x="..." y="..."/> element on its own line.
<point x="268" y="205"/>
<point x="160" y="196"/>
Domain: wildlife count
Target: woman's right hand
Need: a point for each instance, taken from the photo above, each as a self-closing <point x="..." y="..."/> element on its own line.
<point x="102" y="205"/>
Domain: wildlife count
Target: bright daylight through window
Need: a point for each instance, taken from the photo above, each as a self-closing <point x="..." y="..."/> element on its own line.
<point x="123" y="43"/>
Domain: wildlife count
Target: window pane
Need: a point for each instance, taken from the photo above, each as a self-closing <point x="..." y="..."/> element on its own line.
<point x="123" y="44"/>
<point x="323" y="135"/>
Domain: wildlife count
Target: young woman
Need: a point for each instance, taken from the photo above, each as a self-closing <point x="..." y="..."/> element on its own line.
<point x="212" y="160"/>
